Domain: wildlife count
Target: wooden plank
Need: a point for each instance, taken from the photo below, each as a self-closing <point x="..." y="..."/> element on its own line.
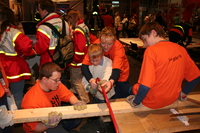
<point x="156" y="121"/>
<point x="38" y="114"/>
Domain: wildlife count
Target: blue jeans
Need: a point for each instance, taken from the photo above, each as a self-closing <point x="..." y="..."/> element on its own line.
<point x="17" y="89"/>
<point x="122" y="90"/>
<point x="65" y="126"/>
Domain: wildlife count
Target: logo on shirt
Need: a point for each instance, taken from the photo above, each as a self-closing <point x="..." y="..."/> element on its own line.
<point x="175" y="58"/>
<point x="55" y="101"/>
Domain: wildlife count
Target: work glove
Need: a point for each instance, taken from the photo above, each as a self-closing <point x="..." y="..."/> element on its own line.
<point x="91" y="90"/>
<point x="100" y="83"/>
<point x="130" y="100"/>
<point x="182" y="97"/>
<point x="80" y="105"/>
<point x="11" y="104"/>
<point x="53" y="119"/>
<point x="5" y="117"/>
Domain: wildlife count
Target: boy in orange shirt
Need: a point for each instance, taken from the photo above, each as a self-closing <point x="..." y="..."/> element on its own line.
<point x="164" y="67"/>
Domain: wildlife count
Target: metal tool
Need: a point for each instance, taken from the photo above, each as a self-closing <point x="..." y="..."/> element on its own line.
<point x="182" y="114"/>
<point x="109" y="107"/>
<point x="183" y="119"/>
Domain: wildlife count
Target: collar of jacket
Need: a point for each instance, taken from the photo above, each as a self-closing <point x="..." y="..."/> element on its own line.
<point x="80" y="21"/>
<point x="50" y="16"/>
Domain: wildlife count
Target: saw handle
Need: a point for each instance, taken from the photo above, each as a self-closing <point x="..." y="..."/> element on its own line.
<point x="109" y="107"/>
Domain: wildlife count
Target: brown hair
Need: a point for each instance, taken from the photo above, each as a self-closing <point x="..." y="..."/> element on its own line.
<point x="107" y="33"/>
<point x="48" y="68"/>
<point x="148" y="27"/>
<point x="95" y="50"/>
<point x="75" y="15"/>
<point x="47" y="5"/>
<point x="6" y="16"/>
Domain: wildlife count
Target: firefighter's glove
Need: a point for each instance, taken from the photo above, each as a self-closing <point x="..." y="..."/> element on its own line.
<point x="53" y="119"/>
<point x="182" y="97"/>
<point x="80" y="105"/>
<point x="130" y="100"/>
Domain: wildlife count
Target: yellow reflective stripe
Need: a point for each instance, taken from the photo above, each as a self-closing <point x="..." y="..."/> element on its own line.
<point x="80" y="31"/>
<point x="15" y="37"/>
<point x="52" y="48"/>
<point x="9" y="54"/>
<point x="17" y="76"/>
<point x="79" y="53"/>
<point x="78" y="64"/>
<point x="44" y="33"/>
<point x="83" y="34"/>
<point x="180" y="27"/>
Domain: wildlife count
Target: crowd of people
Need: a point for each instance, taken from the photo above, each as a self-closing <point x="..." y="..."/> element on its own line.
<point x="165" y="65"/>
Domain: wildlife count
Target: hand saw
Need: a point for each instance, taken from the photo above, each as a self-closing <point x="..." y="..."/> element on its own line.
<point x="109" y="107"/>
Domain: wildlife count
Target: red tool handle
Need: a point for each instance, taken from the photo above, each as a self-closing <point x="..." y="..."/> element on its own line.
<point x="109" y="107"/>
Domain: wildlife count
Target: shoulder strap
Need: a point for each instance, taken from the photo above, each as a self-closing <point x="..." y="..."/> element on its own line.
<point x="52" y="27"/>
<point x="85" y="33"/>
<point x="63" y="28"/>
<point x="81" y="29"/>
<point x="55" y="30"/>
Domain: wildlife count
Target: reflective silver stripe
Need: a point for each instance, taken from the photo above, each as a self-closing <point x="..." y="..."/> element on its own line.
<point x="80" y="53"/>
<point x="78" y="64"/>
<point x="180" y="27"/>
<point x="17" y="76"/>
<point x="40" y="30"/>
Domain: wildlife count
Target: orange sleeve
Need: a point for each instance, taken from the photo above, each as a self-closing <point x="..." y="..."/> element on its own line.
<point x="118" y="56"/>
<point x="147" y="73"/>
<point x="191" y="75"/>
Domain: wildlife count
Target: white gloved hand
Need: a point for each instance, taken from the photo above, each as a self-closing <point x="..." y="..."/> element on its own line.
<point x="130" y="100"/>
<point x="11" y="104"/>
<point x="5" y="117"/>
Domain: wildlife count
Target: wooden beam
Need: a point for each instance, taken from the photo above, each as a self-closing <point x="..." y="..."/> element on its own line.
<point x="38" y="114"/>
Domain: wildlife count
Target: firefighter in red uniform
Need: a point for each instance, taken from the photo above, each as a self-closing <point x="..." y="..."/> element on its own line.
<point x="14" y="45"/>
<point x="180" y="32"/>
<point x="46" y="40"/>
<point x="80" y="49"/>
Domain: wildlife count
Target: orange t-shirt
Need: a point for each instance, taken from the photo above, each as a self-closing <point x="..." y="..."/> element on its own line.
<point x="119" y="58"/>
<point x="37" y="98"/>
<point x="164" y="67"/>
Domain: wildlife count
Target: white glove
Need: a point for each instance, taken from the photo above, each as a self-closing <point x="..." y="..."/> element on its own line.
<point x="11" y="104"/>
<point x="5" y="118"/>
<point x="130" y="100"/>
<point x="182" y="97"/>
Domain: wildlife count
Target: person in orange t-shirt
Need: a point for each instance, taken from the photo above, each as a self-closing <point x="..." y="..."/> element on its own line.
<point x="114" y="50"/>
<point x="165" y="66"/>
<point x="50" y="92"/>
